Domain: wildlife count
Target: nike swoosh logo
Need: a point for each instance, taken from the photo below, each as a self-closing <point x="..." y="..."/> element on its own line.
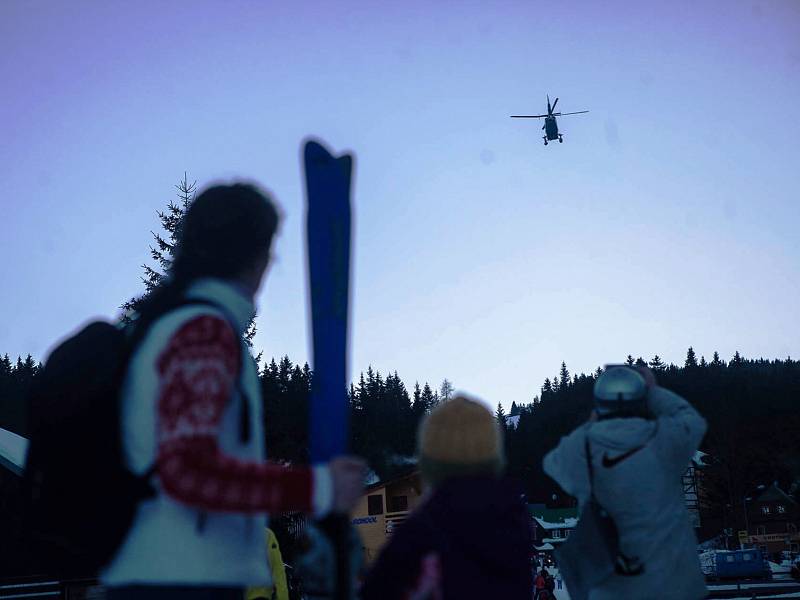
<point x="609" y="462"/>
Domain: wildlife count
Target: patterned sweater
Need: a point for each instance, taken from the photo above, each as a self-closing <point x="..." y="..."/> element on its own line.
<point x="181" y="410"/>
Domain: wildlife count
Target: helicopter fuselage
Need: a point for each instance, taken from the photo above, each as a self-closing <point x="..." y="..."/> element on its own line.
<point x="551" y="128"/>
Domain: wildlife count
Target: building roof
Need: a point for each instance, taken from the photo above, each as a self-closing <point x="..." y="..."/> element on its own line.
<point x="13" y="449"/>
<point x="411" y="471"/>
<point x="568" y="523"/>
<point x="775" y="494"/>
<point x="552" y="515"/>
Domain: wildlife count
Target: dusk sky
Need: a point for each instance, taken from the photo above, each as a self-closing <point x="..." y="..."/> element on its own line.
<point x="668" y="217"/>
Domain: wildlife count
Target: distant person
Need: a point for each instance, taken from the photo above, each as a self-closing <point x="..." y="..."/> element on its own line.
<point x="544" y="586"/>
<point x="470" y="537"/>
<point x="191" y="410"/>
<point x="279" y="590"/>
<point x="640" y="439"/>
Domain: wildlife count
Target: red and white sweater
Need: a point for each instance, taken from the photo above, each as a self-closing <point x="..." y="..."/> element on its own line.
<point x="180" y="410"/>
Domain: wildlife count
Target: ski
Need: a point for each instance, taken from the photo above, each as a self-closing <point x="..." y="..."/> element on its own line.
<point x="328" y="221"/>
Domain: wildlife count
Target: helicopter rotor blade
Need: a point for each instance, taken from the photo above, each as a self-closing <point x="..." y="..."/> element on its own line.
<point x="528" y="116"/>
<point x="549" y="110"/>
<point x="580" y="112"/>
<point x="554" y="105"/>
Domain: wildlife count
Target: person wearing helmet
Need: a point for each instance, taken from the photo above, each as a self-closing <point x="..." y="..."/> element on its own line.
<point x="640" y="438"/>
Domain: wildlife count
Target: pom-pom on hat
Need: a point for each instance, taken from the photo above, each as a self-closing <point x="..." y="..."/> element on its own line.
<point x="459" y="438"/>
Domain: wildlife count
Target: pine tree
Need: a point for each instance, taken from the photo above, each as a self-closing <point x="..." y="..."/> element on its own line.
<point x="691" y="359"/>
<point x="547" y="387"/>
<point x="514" y="409"/>
<point x="656" y="363"/>
<point x="564" y="380"/>
<point x="629" y="361"/>
<point x="715" y="359"/>
<point x="640" y="362"/>
<point x="427" y="399"/>
<point x="703" y="362"/>
<point x="171" y="221"/>
<point x="500" y="415"/>
<point x="416" y="403"/>
<point x="446" y="390"/>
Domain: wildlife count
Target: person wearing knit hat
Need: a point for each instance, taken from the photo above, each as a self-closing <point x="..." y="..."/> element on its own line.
<point x="459" y="438"/>
<point x="471" y="536"/>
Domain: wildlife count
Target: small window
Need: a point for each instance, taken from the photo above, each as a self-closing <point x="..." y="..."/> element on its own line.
<point x="730" y="558"/>
<point x="398" y="503"/>
<point x="556" y="534"/>
<point x="747" y="556"/>
<point x="765" y="510"/>
<point x="375" y="504"/>
<point x="781" y="508"/>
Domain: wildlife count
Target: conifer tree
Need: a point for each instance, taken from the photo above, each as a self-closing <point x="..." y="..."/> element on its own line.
<point x="629" y="361"/>
<point x="514" y="409"/>
<point x="500" y="415"/>
<point x="715" y="361"/>
<point x="691" y="359"/>
<point x="427" y="399"/>
<point x="446" y="390"/>
<point x="656" y="363"/>
<point x="564" y="380"/>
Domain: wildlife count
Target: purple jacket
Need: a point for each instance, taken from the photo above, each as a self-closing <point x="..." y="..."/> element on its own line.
<point x="472" y="538"/>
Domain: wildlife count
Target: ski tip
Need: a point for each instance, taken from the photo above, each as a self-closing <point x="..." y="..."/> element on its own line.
<point x="345" y="162"/>
<point x="315" y="152"/>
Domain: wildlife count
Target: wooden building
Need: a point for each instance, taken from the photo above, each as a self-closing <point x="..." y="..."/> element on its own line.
<point x="383" y="507"/>
<point x="773" y="518"/>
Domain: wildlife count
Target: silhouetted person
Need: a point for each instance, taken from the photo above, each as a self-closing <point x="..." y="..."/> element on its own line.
<point x="191" y="407"/>
<point x="470" y="537"/>
<point x="640" y="439"/>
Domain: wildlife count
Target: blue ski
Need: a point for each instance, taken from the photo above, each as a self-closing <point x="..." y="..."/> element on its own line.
<point x="328" y="239"/>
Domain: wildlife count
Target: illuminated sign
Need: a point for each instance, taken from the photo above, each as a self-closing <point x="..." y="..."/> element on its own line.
<point x="364" y="520"/>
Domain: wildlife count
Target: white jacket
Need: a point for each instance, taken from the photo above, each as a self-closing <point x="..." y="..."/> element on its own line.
<point x="643" y="493"/>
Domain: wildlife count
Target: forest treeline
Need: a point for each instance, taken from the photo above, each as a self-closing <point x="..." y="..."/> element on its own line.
<point x="751" y="406"/>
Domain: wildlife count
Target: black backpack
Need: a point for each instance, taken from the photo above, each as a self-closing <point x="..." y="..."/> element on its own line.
<point x="80" y="497"/>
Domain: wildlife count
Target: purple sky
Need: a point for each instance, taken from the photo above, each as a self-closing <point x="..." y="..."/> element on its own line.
<point x="668" y="218"/>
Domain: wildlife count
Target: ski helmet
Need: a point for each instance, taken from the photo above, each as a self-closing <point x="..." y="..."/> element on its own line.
<point x="620" y="389"/>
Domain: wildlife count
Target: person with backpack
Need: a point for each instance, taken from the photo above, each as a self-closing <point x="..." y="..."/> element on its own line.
<point x="191" y="418"/>
<point x="471" y="536"/>
<point x="628" y="460"/>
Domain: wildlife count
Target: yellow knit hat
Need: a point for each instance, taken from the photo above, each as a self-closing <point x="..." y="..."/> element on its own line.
<point x="460" y="437"/>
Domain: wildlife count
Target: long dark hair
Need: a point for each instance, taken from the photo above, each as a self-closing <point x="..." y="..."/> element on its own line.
<point x="224" y="231"/>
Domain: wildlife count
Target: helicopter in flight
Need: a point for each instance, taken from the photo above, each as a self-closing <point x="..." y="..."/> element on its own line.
<point x="550" y="125"/>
